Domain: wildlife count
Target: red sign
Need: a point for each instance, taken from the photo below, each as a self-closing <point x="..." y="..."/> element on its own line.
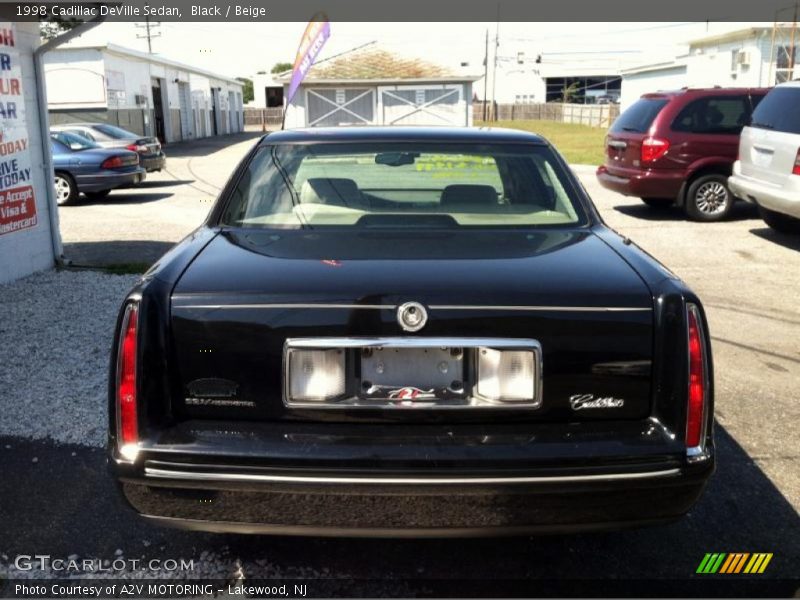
<point x="17" y="209"/>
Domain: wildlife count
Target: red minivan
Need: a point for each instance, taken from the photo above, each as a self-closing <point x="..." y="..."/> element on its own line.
<point x="678" y="147"/>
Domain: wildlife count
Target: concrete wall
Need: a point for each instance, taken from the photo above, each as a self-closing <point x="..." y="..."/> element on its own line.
<point x="24" y="251"/>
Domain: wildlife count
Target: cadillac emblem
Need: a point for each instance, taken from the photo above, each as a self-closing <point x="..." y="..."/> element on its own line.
<point x="412" y="316"/>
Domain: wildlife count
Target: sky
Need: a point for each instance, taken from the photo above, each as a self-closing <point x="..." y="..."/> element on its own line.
<point x="243" y="49"/>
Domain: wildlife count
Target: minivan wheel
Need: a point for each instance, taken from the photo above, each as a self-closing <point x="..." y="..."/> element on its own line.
<point x="779" y="222"/>
<point x="66" y="190"/>
<point x="708" y="198"/>
<point x="658" y="202"/>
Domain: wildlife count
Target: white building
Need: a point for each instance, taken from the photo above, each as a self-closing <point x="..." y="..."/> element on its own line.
<point x="29" y="239"/>
<point x="373" y="86"/>
<point x="750" y="57"/>
<point x="668" y="75"/>
<point x="145" y="93"/>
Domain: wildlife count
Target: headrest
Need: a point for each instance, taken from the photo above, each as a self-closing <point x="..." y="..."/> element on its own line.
<point x="336" y="191"/>
<point x="475" y="195"/>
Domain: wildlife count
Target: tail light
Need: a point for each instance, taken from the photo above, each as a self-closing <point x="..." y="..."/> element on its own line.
<point x="796" y="168"/>
<point x="140" y="148"/>
<point x="127" y="418"/>
<point x="115" y="162"/>
<point x="653" y="148"/>
<point x="698" y="385"/>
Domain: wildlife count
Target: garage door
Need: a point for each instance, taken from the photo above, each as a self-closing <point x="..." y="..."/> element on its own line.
<point x="340" y="106"/>
<point x="422" y="105"/>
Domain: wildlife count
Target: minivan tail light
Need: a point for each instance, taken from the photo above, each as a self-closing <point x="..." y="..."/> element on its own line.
<point x="698" y="384"/>
<point x="653" y="148"/>
<point x="127" y="414"/>
<point x="796" y="168"/>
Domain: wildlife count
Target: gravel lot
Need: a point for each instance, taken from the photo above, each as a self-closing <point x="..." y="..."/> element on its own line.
<point x="54" y="340"/>
<point x="55" y="336"/>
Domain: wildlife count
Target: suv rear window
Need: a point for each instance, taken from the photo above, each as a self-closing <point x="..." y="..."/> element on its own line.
<point x="639" y="116"/>
<point x="780" y="110"/>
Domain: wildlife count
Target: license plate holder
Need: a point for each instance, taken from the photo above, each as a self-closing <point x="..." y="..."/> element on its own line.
<point x="413" y="375"/>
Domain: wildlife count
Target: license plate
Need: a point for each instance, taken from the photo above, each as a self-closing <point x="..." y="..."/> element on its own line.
<point x="412" y="374"/>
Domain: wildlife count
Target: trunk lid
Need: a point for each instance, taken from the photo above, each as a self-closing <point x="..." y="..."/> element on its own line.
<point x="247" y="292"/>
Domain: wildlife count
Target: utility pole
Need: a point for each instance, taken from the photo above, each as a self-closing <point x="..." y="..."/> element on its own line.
<point x="485" y="75"/>
<point x="494" y="67"/>
<point x="148" y="26"/>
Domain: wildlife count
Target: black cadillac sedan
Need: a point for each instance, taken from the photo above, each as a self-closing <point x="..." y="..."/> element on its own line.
<point x="407" y="332"/>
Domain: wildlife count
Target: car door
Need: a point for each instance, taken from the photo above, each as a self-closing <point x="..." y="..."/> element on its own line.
<point x="770" y="145"/>
<point x="709" y="127"/>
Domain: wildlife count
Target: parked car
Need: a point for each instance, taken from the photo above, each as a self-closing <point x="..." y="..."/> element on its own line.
<point x="409" y="331"/>
<point x="84" y="167"/>
<point x="768" y="170"/>
<point x="110" y="136"/>
<point x="678" y="148"/>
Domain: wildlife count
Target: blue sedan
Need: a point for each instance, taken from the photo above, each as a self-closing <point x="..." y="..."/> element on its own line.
<point x="81" y="166"/>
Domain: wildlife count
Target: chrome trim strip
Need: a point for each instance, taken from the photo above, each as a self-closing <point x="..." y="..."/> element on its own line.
<point x="541" y="308"/>
<point x="347" y="306"/>
<point x="531" y="308"/>
<point x="187" y="475"/>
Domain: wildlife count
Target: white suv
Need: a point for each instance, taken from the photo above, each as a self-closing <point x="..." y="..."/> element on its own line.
<point x="768" y="170"/>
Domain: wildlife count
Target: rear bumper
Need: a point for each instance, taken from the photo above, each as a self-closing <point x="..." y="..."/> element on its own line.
<point x="657" y="183"/>
<point x="154" y="163"/>
<point x="783" y="199"/>
<point x="109" y="180"/>
<point x="411" y="510"/>
<point x="404" y="487"/>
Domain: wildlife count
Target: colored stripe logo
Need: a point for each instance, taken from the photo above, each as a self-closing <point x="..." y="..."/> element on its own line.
<point x="734" y="563"/>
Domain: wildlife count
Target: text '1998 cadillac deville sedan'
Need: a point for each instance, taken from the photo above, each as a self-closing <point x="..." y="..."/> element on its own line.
<point x="392" y="331"/>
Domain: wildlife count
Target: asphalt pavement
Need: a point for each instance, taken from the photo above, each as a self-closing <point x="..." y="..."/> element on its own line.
<point x="64" y="504"/>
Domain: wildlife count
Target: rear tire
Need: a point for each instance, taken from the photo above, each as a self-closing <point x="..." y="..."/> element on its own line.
<point x="780" y="222"/>
<point x="708" y="198"/>
<point x="66" y="190"/>
<point x="97" y="195"/>
<point x="658" y="202"/>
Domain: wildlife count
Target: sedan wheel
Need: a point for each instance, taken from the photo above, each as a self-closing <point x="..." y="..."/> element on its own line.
<point x="66" y="190"/>
<point x="709" y="198"/>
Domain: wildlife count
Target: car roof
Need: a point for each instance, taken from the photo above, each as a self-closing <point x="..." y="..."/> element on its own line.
<point x="476" y="135"/>
<point x="698" y="92"/>
<point x="793" y="83"/>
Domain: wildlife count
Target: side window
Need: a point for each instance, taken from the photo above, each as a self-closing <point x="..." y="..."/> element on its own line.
<point x="83" y="133"/>
<point x="723" y="115"/>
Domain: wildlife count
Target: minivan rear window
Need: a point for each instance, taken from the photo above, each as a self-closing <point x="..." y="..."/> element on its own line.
<point x="779" y="111"/>
<point x="639" y="116"/>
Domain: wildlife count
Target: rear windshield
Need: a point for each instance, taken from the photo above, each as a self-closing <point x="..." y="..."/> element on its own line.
<point x="405" y="185"/>
<point x="780" y="110"/>
<point x="114" y="132"/>
<point x="639" y="116"/>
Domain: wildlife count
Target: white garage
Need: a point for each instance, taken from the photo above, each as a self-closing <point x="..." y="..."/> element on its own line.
<point x="372" y="86"/>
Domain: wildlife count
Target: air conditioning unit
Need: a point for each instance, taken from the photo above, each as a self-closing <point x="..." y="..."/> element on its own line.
<point x="743" y="59"/>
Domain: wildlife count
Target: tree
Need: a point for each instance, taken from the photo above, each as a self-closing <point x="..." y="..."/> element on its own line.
<point x="55" y="27"/>
<point x="281" y="67"/>
<point x="247" y="89"/>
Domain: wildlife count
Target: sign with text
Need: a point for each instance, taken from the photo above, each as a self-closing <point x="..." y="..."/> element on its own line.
<point x="17" y="199"/>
